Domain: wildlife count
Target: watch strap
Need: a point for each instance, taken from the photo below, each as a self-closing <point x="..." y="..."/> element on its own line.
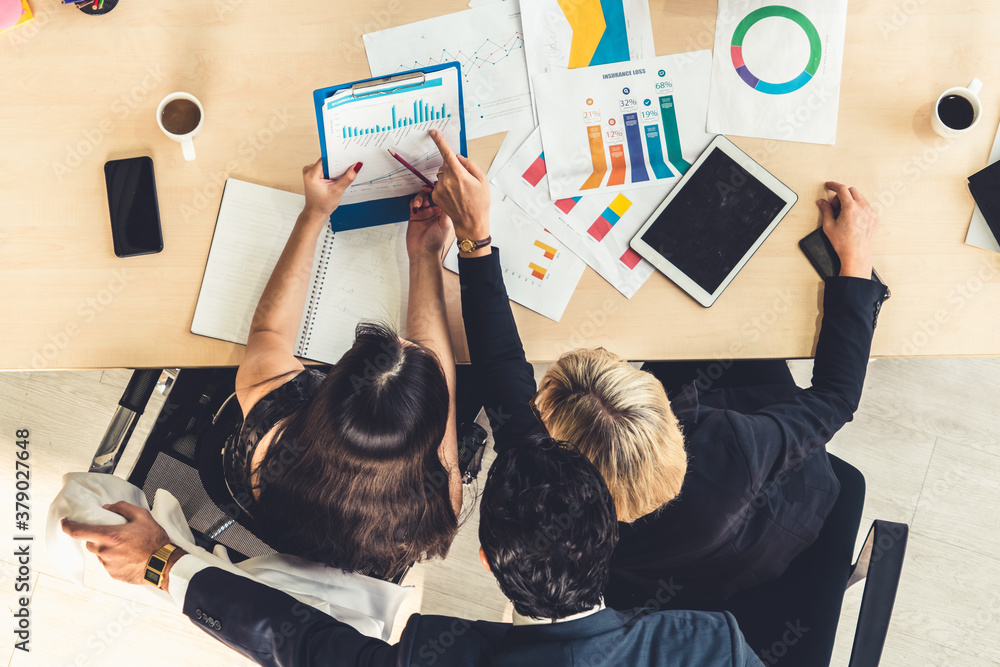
<point x="468" y="245"/>
<point x="157" y="563"/>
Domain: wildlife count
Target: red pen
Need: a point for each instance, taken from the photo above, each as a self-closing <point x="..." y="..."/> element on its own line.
<point x="410" y="167"/>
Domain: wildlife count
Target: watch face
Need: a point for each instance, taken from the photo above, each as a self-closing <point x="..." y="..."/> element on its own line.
<point x="152" y="577"/>
<point x="466" y="245"/>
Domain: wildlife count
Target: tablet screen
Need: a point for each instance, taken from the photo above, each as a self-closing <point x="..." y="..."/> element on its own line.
<point x="713" y="221"/>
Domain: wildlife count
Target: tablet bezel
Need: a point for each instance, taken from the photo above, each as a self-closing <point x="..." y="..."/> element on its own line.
<point x="675" y="274"/>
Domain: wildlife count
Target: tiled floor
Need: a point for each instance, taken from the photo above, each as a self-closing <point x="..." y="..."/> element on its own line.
<point x="927" y="438"/>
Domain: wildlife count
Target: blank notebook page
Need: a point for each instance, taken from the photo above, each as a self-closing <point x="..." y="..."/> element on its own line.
<point x="364" y="275"/>
<point x="254" y="224"/>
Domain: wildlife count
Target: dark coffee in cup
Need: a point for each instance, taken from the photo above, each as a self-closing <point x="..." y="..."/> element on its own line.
<point x="180" y="116"/>
<point x="956" y="112"/>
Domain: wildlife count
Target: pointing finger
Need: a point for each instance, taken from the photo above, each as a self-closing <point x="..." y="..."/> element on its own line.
<point x="446" y="153"/>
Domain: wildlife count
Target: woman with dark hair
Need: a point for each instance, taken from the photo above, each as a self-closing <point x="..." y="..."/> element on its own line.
<point x="357" y="468"/>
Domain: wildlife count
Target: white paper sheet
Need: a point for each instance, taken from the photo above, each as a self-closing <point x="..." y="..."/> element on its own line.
<point x="777" y="69"/>
<point x="623" y="126"/>
<point x="597" y="228"/>
<point x="980" y="235"/>
<point x="362" y="129"/>
<point x="538" y="271"/>
<point x="486" y="41"/>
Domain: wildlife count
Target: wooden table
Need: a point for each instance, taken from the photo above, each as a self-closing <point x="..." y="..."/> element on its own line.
<point x="80" y="90"/>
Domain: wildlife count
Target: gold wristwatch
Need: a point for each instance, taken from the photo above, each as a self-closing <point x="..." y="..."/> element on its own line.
<point x="157" y="563"/>
<point x="468" y="245"/>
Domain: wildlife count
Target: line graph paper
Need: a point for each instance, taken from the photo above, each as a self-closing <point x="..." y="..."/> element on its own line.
<point x="488" y="53"/>
<point x="488" y="44"/>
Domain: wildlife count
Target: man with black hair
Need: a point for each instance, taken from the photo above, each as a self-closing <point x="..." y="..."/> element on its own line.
<point x="548" y="528"/>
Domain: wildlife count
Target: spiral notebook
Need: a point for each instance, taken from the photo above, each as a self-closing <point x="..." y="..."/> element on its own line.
<point x="357" y="275"/>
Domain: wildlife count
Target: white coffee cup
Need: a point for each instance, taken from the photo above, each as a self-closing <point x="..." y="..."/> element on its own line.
<point x="971" y="94"/>
<point x="186" y="140"/>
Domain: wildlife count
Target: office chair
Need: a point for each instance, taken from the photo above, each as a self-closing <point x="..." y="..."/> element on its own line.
<point x="169" y="458"/>
<point x="792" y="620"/>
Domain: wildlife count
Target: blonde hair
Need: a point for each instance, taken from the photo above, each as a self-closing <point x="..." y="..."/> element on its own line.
<point x="620" y="419"/>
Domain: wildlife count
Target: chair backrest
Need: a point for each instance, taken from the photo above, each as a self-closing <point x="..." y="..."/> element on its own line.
<point x="169" y="460"/>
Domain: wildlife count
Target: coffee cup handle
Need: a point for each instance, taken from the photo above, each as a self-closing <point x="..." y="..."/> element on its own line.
<point x="975" y="86"/>
<point x="187" y="145"/>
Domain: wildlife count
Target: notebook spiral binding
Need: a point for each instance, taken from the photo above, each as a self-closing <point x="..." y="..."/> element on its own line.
<point x="315" y="292"/>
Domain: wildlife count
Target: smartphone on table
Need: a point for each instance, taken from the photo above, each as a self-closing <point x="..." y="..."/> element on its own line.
<point x="132" y="204"/>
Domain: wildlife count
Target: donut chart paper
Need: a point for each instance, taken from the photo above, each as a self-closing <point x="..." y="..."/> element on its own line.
<point x="777" y="69"/>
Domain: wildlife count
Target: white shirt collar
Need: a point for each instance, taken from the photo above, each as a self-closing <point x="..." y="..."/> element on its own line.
<point x="529" y="620"/>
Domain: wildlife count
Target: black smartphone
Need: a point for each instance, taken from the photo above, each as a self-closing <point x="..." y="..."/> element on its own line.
<point x="820" y="253"/>
<point x="135" y="213"/>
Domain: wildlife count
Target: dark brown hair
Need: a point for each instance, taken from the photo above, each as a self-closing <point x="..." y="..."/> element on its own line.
<point x="353" y="478"/>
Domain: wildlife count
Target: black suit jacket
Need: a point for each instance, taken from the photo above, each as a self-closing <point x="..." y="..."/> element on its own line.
<point x="759" y="484"/>
<point x="273" y="628"/>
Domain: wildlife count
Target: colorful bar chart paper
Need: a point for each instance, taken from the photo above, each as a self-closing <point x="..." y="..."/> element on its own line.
<point x="536" y="271"/>
<point x="534" y="173"/>
<point x="641" y="122"/>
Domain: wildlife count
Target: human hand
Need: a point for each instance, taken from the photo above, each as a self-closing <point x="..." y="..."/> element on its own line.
<point x="462" y="192"/>
<point x="429" y="228"/>
<point x="124" y="549"/>
<point x="323" y="195"/>
<point x="850" y="223"/>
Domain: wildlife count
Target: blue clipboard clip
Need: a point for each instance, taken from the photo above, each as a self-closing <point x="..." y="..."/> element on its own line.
<point x="393" y="209"/>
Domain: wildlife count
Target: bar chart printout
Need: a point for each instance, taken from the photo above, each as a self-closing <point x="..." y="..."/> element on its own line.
<point x="364" y="128"/>
<point x="597" y="227"/>
<point x="421" y="112"/>
<point x="538" y="271"/>
<point x="623" y="126"/>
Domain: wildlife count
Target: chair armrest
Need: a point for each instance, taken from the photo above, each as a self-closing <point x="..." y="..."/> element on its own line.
<point x="130" y="408"/>
<point x="881" y="563"/>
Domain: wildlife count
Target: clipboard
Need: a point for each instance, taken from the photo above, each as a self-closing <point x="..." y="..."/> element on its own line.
<point x="391" y="209"/>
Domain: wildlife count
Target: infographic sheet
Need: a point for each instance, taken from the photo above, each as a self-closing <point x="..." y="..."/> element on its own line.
<point x="597" y="228"/>
<point x="623" y="126"/>
<point x="777" y="69"/>
<point x="538" y="272"/>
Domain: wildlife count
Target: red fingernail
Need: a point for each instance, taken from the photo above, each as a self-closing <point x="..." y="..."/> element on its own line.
<point x="357" y="167"/>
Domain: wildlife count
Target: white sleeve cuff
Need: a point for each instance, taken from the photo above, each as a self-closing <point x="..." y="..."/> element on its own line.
<point x="180" y="575"/>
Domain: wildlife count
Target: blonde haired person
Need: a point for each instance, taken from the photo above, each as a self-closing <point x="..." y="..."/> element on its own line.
<point x="621" y="420"/>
